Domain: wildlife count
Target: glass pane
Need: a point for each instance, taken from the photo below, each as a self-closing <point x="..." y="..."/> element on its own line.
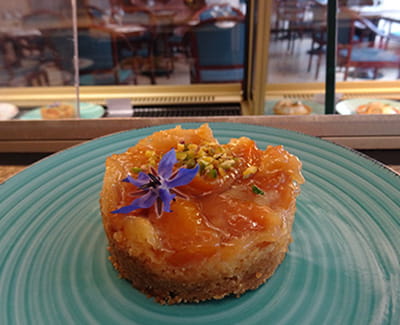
<point x="36" y="49"/>
<point x="161" y="42"/>
<point x="36" y="43"/>
<point x="368" y="51"/>
<point x="371" y="33"/>
<point x="297" y="43"/>
<point x="296" y="56"/>
<point x="119" y="42"/>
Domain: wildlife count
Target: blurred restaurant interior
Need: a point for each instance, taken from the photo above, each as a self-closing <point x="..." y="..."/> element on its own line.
<point x="152" y="153"/>
<point x="72" y="70"/>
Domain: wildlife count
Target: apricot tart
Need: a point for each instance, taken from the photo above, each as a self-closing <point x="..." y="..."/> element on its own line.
<point x="291" y="107"/>
<point x="189" y="219"/>
<point x="57" y="111"/>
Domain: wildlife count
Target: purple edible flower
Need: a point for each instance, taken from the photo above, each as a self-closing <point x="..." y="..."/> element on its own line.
<point x="159" y="186"/>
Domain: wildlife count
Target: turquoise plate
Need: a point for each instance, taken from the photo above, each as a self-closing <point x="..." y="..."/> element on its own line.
<point x="343" y="266"/>
<point x="87" y="110"/>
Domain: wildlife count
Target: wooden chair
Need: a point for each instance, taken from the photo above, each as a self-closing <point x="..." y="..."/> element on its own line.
<point x="290" y="23"/>
<point x="45" y="21"/>
<point x="318" y="33"/>
<point x="38" y="78"/>
<point x="366" y="51"/>
<point x="95" y="14"/>
<point x="143" y="45"/>
<point x="22" y="55"/>
<point x="217" y="50"/>
<point x="20" y="74"/>
<point x="318" y="49"/>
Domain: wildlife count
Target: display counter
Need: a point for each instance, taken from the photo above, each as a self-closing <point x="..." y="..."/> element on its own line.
<point x="23" y="145"/>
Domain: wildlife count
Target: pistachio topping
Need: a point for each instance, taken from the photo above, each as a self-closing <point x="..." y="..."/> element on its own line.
<point x="136" y="170"/>
<point x="153" y="159"/>
<point x="257" y="190"/>
<point x="214" y="160"/>
<point x="250" y="171"/>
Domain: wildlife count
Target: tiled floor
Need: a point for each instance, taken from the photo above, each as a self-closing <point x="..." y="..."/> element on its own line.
<point x="287" y="67"/>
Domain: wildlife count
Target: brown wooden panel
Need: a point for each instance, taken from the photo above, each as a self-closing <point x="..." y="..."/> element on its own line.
<point x="317" y="125"/>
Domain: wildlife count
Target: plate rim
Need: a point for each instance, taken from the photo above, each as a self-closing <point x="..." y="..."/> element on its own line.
<point x="192" y="124"/>
<point x="11" y="107"/>
<point x="23" y="115"/>
<point x="363" y="100"/>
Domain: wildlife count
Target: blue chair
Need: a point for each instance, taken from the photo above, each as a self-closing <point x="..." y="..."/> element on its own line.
<point x="98" y="46"/>
<point x="95" y="45"/>
<point x="217" y="47"/>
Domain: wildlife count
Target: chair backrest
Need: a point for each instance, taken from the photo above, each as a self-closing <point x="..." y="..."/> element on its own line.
<point x="61" y="42"/>
<point x="95" y="44"/>
<point x="319" y="12"/>
<point x="345" y="30"/>
<point x="355" y="29"/>
<point x="218" y="44"/>
<point x="38" y="78"/>
<point x="292" y="10"/>
<point x="95" y="14"/>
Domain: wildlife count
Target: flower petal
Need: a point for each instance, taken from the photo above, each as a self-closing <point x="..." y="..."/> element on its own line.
<point x="166" y="198"/>
<point x="166" y="164"/>
<point x="183" y="177"/>
<point x="145" y="201"/>
<point x="140" y="181"/>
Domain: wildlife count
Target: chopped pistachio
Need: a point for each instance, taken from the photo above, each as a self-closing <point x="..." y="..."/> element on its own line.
<point x="181" y="155"/>
<point x="250" y="171"/>
<point x="203" y="162"/>
<point x="192" y="146"/>
<point x="256" y="190"/>
<point x="136" y="170"/>
<point x="190" y="154"/>
<point x="149" y="153"/>
<point x="227" y="164"/>
<point x="221" y="171"/>
<point x="212" y="173"/>
<point x="214" y="160"/>
<point x="208" y="159"/>
<point x="190" y="163"/>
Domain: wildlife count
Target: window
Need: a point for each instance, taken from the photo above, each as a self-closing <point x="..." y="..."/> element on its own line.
<point x="367" y="58"/>
<point x="148" y="54"/>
